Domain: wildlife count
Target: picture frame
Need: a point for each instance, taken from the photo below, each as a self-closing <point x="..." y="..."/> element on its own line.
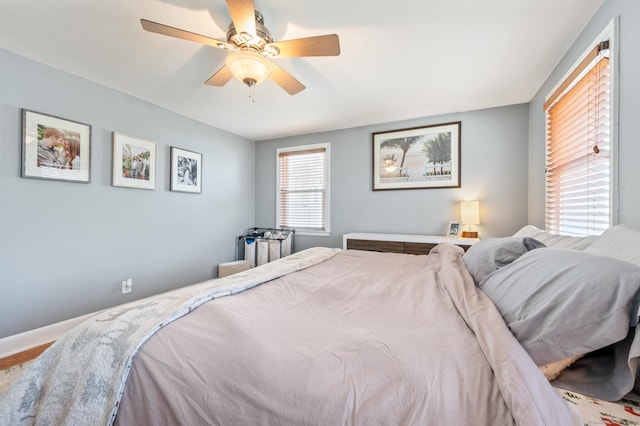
<point x="186" y="171"/>
<point x="134" y="162"/>
<point x="417" y="158"/>
<point x="55" y="148"/>
<point x="454" y="229"/>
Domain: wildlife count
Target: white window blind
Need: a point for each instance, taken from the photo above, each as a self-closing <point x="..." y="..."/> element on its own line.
<point x="303" y="188"/>
<point x="578" y="163"/>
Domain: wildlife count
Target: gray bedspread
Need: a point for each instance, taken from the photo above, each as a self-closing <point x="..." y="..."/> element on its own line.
<point x="362" y="338"/>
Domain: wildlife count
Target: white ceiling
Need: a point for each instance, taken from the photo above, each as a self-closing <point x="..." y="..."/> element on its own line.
<point x="399" y="59"/>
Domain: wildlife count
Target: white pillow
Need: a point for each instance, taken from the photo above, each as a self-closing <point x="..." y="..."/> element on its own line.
<point x="550" y="240"/>
<point x="619" y="242"/>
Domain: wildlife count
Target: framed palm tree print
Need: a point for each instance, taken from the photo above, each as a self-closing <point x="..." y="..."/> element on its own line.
<point x="417" y="158"/>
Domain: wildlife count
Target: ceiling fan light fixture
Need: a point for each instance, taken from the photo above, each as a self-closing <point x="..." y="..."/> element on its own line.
<point x="249" y="66"/>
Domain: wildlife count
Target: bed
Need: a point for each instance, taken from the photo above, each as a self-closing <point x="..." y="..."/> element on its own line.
<point x="327" y="336"/>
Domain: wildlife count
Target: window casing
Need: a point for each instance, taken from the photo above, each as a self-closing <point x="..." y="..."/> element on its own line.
<point x="303" y="188"/>
<point x="580" y="160"/>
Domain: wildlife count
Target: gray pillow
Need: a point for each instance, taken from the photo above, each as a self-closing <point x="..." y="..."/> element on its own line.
<point x="490" y="254"/>
<point x="560" y="302"/>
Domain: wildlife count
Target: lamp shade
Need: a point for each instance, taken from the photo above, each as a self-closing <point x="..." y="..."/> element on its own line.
<point x="470" y="212"/>
<point x="248" y="66"/>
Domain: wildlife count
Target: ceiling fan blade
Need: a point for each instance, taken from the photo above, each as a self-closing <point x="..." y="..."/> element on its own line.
<point x="243" y="15"/>
<point x="286" y="80"/>
<point x="220" y="78"/>
<point x="155" y="27"/>
<point x="326" y="45"/>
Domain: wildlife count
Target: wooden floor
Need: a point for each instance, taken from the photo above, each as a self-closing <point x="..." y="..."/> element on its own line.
<point x="24" y="356"/>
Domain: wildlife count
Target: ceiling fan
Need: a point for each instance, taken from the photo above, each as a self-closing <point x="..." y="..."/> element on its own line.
<point x="252" y="46"/>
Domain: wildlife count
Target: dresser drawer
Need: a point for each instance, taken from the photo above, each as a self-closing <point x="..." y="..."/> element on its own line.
<point x="418" y="248"/>
<point x="372" y="245"/>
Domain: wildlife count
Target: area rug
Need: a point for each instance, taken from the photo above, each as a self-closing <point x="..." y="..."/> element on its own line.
<point x="597" y="412"/>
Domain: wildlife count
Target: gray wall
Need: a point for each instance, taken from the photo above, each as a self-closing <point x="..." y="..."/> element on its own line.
<point x="65" y="247"/>
<point x="629" y="109"/>
<point x="494" y="171"/>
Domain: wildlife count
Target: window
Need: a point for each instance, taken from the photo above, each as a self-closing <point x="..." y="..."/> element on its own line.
<point x="579" y="162"/>
<point x="303" y="188"/>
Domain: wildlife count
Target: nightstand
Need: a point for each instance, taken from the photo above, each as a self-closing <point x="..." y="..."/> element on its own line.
<point x="401" y="243"/>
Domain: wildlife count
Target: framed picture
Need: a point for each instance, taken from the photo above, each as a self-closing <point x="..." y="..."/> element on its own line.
<point x="454" y="229"/>
<point x="55" y="148"/>
<point x="186" y="170"/>
<point x="417" y="158"/>
<point x="134" y="162"/>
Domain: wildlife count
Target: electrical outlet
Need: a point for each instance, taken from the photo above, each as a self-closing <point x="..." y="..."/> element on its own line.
<point x="127" y="285"/>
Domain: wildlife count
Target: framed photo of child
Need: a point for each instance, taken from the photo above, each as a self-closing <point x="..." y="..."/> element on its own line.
<point x="134" y="162"/>
<point x="186" y="171"/>
<point x="453" y="230"/>
<point x="55" y="148"/>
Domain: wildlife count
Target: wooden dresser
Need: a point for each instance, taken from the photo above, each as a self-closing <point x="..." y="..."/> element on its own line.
<point x="400" y="243"/>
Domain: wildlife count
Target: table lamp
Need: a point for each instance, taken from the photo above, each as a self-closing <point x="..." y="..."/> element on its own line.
<point x="469" y="215"/>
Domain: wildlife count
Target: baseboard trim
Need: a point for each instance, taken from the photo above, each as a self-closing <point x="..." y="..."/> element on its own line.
<point x="23" y="342"/>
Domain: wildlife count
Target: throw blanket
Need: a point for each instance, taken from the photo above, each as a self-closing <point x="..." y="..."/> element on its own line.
<point x="79" y="380"/>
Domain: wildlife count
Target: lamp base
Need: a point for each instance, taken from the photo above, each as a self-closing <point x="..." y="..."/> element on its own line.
<point x="469" y="234"/>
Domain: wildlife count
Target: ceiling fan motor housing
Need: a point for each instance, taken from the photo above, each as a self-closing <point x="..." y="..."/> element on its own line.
<point x="258" y="43"/>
